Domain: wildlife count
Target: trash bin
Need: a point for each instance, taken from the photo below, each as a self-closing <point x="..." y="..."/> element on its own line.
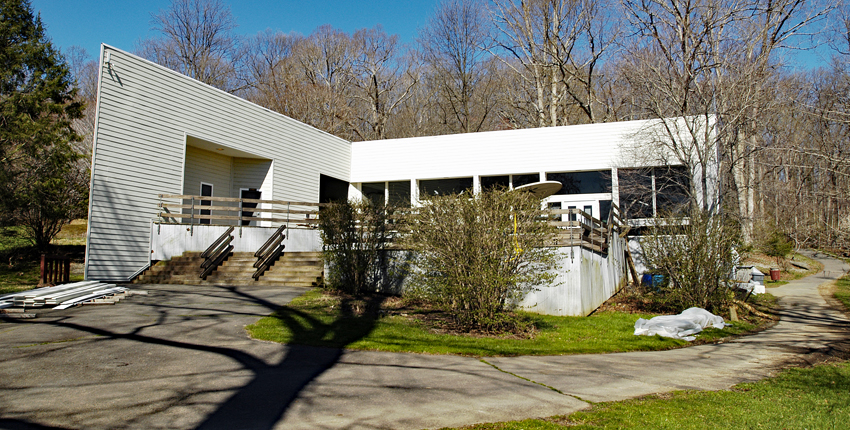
<point x="774" y="274"/>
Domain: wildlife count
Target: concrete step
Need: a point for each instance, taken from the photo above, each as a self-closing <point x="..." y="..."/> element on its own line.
<point x="296" y="269"/>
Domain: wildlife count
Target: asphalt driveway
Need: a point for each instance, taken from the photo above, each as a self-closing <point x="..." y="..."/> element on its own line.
<point x="179" y="357"/>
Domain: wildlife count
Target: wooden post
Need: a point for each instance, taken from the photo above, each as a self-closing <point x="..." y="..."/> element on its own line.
<point x="42" y="279"/>
<point x="631" y="264"/>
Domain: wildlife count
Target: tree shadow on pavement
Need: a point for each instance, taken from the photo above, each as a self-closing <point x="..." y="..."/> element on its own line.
<point x="263" y="401"/>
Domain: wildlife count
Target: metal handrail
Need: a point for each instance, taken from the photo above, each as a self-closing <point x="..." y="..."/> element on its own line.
<point x="271" y="239"/>
<point x="216" y="253"/>
<point x="269" y="252"/>
<point x="218" y="241"/>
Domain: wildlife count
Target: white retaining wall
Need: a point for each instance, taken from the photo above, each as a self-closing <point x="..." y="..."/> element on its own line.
<point x="584" y="281"/>
<point x="171" y="240"/>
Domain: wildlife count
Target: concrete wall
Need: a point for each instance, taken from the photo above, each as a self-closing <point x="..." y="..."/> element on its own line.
<point x="585" y="280"/>
<point x="170" y="240"/>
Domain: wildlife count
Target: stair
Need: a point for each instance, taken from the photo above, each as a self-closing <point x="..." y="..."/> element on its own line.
<point x="293" y="269"/>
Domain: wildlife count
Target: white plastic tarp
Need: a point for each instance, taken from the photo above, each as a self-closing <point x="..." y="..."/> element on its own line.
<point x="683" y="326"/>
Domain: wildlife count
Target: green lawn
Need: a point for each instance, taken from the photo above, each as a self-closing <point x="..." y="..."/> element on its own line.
<point x="20" y="262"/>
<point x="799" y="398"/>
<point x="842" y="291"/>
<point x="321" y="320"/>
<point x="811" y="398"/>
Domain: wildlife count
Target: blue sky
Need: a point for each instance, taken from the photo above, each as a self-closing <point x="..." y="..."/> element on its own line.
<point x="120" y="23"/>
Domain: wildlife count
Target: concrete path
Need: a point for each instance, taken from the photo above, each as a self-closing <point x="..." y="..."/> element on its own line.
<point x="179" y="358"/>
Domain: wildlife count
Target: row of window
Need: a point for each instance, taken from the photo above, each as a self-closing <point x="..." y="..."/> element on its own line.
<point x="573" y="183"/>
<point x="643" y="193"/>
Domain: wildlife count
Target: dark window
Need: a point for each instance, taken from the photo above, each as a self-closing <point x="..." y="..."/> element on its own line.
<point x="573" y="216"/>
<point x="206" y="190"/>
<point x="251" y="193"/>
<point x="442" y="187"/>
<point x="520" y="180"/>
<point x="671" y="189"/>
<point x="399" y="193"/>
<point x="598" y="181"/>
<point x="374" y="192"/>
<point x="490" y="182"/>
<point x="332" y="189"/>
<point x="635" y="192"/>
<point x="604" y="210"/>
<point x="669" y="192"/>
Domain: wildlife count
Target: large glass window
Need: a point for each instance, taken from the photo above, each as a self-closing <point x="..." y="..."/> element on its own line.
<point x="399" y="193"/>
<point x="598" y="181"/>
<point x="520" y="180"/>
<point x="373" y="191"/>
<point x="653" y="191"/>
<point x="442" y="187"/>
<point x="671" y="189"/>
<point x="635" y="187"/>
<point x="490" y="182"/>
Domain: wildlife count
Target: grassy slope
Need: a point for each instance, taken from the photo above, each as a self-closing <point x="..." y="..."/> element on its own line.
<point x="316" y="319"/>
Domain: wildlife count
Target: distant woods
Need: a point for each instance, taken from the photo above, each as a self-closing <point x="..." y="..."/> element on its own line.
<point x="782" y="130"/>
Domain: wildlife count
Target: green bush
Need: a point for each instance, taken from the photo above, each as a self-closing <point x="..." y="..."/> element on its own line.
<point x="479" y="255"/>
<point x="695" y="255"/>
<point x="356" y="237"/>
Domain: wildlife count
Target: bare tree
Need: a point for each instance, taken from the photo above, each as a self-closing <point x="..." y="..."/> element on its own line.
<point x="273" y="72"/>
<point x="197" y="41"/>
<point x="325" y="59"/>
<point x="381" y="79"/>
<point x="558" y="46"/>
<point x="718" y="60"/>
<point x="84" y="69"/>
<point x="460" y="71"/>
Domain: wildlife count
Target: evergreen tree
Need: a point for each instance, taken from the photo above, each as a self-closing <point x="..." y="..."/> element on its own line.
<point x="41" y="183"/>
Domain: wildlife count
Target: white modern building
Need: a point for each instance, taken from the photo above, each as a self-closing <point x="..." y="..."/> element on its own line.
<point x="159" y="133"/>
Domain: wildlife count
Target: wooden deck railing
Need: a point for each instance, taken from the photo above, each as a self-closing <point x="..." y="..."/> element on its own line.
<point x="585" y="231"/>
<point x="233" y="211"/>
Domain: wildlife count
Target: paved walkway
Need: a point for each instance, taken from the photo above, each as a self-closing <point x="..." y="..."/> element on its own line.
<point x="179" y="358"/>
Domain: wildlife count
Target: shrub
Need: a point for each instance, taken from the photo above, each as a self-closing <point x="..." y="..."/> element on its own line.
<point x="355" y="238"/>
<point x="695" y="255"/>
<point x="479" y="255"/>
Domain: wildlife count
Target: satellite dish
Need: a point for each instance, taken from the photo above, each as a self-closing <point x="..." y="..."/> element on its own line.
<point x="541" y="189"/>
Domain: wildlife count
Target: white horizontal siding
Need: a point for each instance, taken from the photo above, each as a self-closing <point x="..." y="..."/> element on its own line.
<point x="548" y="149"/>
<point x="145" y="112"/>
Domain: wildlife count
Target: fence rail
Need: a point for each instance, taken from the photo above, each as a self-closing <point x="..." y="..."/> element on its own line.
<point x="191" y="209"/>
<point x="579" y="229"/>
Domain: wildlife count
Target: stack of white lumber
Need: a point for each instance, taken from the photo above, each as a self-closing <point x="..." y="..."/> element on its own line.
<point x="61" y="296"/>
